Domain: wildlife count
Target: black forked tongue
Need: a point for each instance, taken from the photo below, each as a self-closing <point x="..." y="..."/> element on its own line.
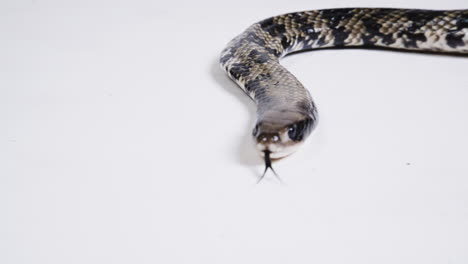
<point x="268" y="166"/>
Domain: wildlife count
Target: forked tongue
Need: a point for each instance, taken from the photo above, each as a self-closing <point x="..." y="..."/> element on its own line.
<point x="268" y="166"/>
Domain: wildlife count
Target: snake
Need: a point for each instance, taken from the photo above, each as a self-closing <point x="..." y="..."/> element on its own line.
<point x="286" y="114"/>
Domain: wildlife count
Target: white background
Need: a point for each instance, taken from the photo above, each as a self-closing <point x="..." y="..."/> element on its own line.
<point x="121" y="141"/>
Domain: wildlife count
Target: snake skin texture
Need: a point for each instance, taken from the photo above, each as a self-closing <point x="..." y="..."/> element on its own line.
<point x="252" y="58"/>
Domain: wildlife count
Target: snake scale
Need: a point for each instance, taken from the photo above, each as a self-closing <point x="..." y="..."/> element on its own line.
<point x="286" y="113"/>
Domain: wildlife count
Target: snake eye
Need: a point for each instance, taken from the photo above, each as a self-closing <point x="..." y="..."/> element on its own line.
<point x="292" y="131"/>
<point x="299" y="130"/>
<point x="255" y="131"/>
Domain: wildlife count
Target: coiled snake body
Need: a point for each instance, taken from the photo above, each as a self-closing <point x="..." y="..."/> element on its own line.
<point x="286" y="113"/>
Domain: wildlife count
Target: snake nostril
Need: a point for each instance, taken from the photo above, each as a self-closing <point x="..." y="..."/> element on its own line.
<point x="262" y="138"/>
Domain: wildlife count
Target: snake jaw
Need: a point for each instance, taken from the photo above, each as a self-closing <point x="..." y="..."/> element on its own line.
<point x="279" y="148"/>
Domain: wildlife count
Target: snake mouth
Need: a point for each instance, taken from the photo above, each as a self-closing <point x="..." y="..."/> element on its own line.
<point x="278" y="151"/>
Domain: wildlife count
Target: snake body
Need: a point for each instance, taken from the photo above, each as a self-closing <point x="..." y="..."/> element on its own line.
<point x="286" y="113"/>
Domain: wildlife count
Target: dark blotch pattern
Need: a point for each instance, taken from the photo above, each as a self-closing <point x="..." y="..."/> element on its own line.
<point x="252" y="58"/>
<point x="455" y="40"/>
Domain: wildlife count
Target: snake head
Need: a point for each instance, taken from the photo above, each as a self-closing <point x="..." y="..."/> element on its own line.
<point x="282" y="135"/>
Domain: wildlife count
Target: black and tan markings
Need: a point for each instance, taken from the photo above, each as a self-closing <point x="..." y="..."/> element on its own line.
<point x="252" y="58"/>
